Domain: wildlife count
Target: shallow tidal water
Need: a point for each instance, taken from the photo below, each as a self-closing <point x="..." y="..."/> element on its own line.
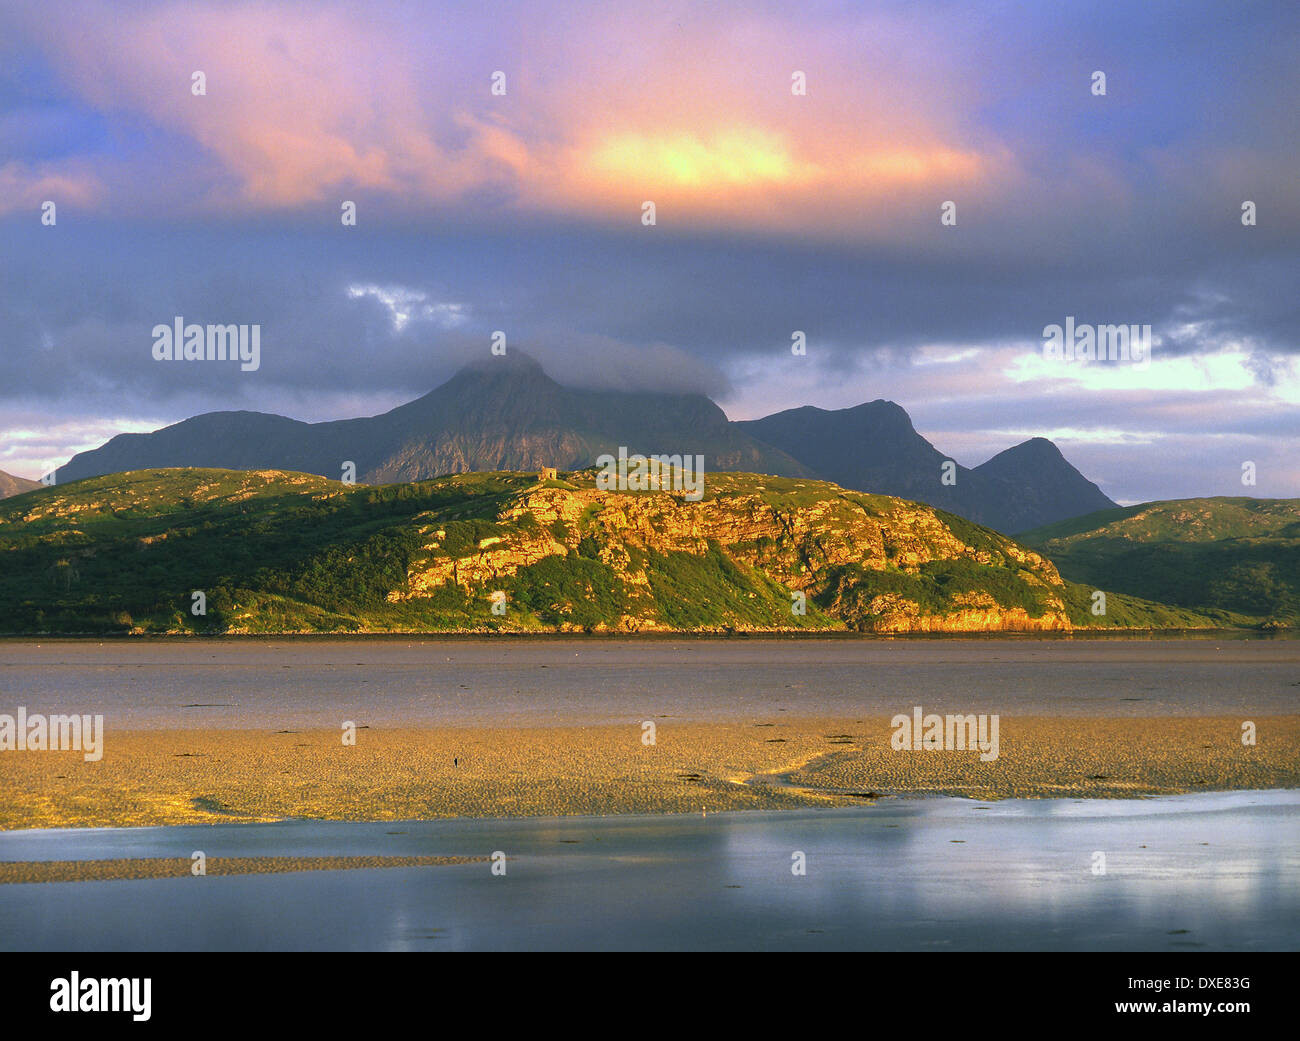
<point x="507" y="681"/>
<point x="1197" y="872"/>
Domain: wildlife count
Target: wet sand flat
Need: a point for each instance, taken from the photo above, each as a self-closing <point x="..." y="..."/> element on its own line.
<point x="195" y="776"/>
<point x="128" y="868"/>
<point x="209" y="731"/>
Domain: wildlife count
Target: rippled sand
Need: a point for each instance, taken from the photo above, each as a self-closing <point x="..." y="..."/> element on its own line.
<point x="151" y="777"/>
<point x="180" y="867"/>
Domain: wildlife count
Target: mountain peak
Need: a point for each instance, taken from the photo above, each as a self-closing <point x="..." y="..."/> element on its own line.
<point x="1039" y="444"/>
<point x="885" y="412"/>
<point x="1036" y="449"/>
<point x="512" y="363"/>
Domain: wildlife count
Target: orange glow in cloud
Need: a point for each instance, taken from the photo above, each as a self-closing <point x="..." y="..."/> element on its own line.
<point x="918" y="166"/>
<point x="753" y="158"/>
<point x="753" y="178"/>
<point x="734" y="157"/>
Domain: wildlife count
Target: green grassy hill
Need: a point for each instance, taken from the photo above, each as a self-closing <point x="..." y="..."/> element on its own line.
<point x="276" y="552"/>
<point x="1236" y="557"/>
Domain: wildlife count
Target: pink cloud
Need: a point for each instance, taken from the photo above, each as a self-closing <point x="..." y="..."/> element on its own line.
<point x="603" y="110"/>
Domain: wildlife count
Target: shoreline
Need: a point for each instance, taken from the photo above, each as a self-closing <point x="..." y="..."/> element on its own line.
<point x="661" y="635"/>
<point x="927" y="801"/>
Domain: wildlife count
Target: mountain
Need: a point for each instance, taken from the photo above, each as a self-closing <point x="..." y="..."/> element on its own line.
<point x="1031" y="484"/>
<point x="875" y="447"/>
<point x="11" y="485"/>
<point x="1234" y="555"/>
<point x="277" y="552"/>
<point x="871" y="446"/>
<point x="499" y="414"/>
<point x="507" y="414"/>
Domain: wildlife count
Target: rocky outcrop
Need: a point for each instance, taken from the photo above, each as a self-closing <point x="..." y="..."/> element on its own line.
<point x="814" y="538"/>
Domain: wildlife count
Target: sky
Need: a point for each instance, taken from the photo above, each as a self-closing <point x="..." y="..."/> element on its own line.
<point x="500" y="156"/>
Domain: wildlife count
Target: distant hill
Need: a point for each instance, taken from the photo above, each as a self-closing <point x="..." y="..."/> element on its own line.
<point x="1031" y="484"/>
<point x="875" y="447"/>
<point x="871" y="446"/>
<point x="11" y="485"/>
<point x="507" y="414"/>
<point x="280" y="552"/>
<point x="1218" y="554"/>
<point x="500" y="414"/>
